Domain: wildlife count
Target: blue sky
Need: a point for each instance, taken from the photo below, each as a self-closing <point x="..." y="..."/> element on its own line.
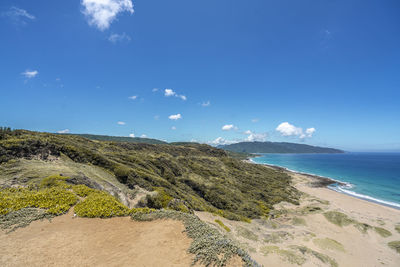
<point x="319" y="72"/>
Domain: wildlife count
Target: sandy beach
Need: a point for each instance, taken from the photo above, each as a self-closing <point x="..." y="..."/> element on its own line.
<point x="303" y="235"/>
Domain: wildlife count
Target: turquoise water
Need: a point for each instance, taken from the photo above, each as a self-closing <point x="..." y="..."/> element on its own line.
<point x="371" y="176"/>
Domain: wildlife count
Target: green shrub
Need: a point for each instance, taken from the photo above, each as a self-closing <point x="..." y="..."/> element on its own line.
<point x="53" y="181"/>
<point x="159" y="200"/>
<point x="100" y="204"/>
<point x="397" y="228"/>
<point x="223" y="225"/>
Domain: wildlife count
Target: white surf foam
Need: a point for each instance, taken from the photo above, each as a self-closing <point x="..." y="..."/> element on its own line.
<point x="340" y="189"/>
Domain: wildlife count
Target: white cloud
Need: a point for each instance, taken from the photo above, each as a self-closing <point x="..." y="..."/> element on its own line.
<point x="310" y="132"/>
<point x="18" y="15"/>
<point x="173" y="128"/>
<point x="30" y="74"/>
<point x="63" y="131"/>
<point x="229" y="127"/>
<point x="115" y="38"/>
<point x="101" y="13"/>
<point x="143" y="136"/>
<point x="221" y="141"/>
<point x="247" y="132"/>
<point x="133" y="97"/>
<point x="175" y="117"/>
<point x="259" y="137"/>
<point x="206" y="104"/>
<point x="121" y="123"/>
<point x="287" y="129"/>
<point x="154" y="90"/>
<point x="170" y="92"/>
<point x="254" y="120"/>
<point x="132" y="135"/>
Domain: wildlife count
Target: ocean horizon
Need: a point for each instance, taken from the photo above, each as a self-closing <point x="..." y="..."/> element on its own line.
<point x="372" y="176"/>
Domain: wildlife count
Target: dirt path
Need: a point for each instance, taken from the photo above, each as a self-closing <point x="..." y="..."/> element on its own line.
<point x="96" y="242"/>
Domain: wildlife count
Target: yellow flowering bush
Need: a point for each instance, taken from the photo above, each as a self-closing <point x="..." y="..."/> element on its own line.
<point x="100" y="204"/>
<point x="56" y="200"/>
<point x="82" y="190"/>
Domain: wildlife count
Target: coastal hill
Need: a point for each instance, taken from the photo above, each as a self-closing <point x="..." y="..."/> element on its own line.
<point x="277" y="147"/>
<point x="143" y="140"/>
<point x="181" y="176"/>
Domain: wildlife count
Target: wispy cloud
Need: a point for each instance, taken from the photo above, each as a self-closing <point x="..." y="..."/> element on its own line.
<point x="121" y="123"/>
<point x="255" y="120"/>
<point x="156" y="117"/>
<point x="18" y="15"/>
<point x="170" y="92"/>
<point x="206" y="104"/>
<point x="30" y="73"/>
<point x="154" y="90"/>
<point x="287" y="129"/>
<point x="134" y="97"/>
<point x="101" y="13"/>
<point x="173" y="128"/>
<point x="119" y="38"/>
<point x="63" y="131"/>
<point x="175" y="117"/>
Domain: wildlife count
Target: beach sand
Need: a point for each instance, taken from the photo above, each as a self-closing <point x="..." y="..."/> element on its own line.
<point x="302" y="235"/>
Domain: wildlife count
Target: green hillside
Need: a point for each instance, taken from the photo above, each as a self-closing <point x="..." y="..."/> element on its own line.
<point x="277" y="147"/>
<point x="120" y="138"/>
<point x="183" y="177"/>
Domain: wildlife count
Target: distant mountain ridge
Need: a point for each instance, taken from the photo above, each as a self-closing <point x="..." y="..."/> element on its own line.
<point x="140" y="140"/>
<point x="277" y="147"/>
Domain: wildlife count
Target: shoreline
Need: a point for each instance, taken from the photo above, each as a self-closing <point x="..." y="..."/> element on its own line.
<point x="318" y="181"/>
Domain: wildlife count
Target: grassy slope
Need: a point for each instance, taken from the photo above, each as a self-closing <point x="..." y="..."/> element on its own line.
<point x="120" y="138"/>
<point x="197" y="176"/>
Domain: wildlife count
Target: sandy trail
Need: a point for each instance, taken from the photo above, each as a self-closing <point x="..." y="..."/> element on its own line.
<point x="96" y="242"/>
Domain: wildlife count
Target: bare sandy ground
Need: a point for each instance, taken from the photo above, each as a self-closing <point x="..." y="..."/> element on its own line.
<point x="97" y="242"/>
<point x="276" y="242"/>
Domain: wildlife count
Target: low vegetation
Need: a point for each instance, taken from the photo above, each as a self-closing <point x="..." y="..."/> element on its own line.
<point x="298" y="221"/>
<point x="186" y="176"/>
<point x="322" y="257"/>
<point x="286" y="255"/>
<point x="246" y="233"/>
<point x="277" y="237"/>
<point x="382" y="232"/>
<point x="395" y="245"/>
<point x="338" y="218"/>
<point x="226" y="228"/>
<point x="342" y="219"/>
<point x="397" y="228"/>
<point x="328" y="243"/>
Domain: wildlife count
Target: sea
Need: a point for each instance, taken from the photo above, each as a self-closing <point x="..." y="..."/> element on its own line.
<point x="371" y="176"/>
